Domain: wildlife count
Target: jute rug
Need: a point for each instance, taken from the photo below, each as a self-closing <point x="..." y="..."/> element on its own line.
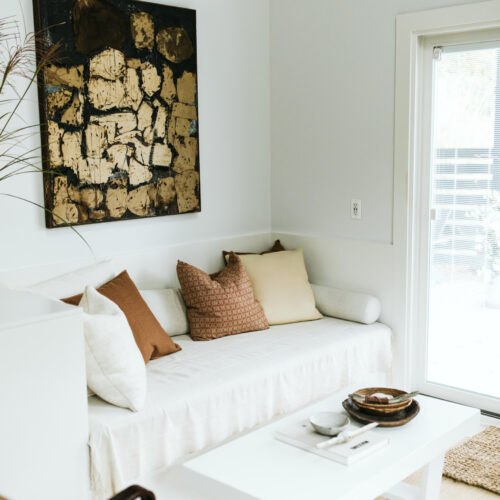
<point x="477" y="460"/>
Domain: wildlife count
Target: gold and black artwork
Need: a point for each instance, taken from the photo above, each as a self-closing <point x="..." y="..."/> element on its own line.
<point x="119" y="110"/>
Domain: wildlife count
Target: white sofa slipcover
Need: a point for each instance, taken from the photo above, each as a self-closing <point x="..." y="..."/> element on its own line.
<point x="213" y="390"/>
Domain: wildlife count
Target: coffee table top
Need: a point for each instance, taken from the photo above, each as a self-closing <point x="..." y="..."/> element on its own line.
<point x="259" y="466"/>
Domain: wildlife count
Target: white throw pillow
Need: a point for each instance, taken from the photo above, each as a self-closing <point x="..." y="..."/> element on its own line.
<point x="352" y="306"/>
<point x="73" y="283"/>
<point x="169" y="309"/>
<point x="281" y="285"/>
<point x="115" y="367"/>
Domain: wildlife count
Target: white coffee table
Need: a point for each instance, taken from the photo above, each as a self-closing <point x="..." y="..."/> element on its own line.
<point x="257" y="466"/>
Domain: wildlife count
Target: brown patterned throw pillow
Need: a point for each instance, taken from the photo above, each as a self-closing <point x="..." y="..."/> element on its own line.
<point x="150" y="337"/>
<point x="222" y="303"/>
<point x="277" y="247"/>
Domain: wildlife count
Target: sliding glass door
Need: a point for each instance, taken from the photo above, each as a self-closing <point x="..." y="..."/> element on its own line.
<point x="462" y="225"/>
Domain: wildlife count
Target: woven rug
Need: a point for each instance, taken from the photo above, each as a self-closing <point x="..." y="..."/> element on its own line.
<point x="477" y="460"/>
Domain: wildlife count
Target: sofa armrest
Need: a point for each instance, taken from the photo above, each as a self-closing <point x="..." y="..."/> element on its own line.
<point x="343" y="304"/>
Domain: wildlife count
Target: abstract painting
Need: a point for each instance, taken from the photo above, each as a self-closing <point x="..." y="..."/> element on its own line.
<point x="118" y="110"/>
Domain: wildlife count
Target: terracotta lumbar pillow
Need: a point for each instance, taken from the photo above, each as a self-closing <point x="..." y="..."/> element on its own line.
<point x="277" y="247"/>
<point x="150" y="337"/>
<point x="220" y="304"/>
<point x="281" y="285"/>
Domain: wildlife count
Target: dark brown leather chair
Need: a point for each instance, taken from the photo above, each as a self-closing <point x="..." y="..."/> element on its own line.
<point x="133" y="492"/>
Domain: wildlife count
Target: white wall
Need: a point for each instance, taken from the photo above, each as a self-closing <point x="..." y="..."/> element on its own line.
<point x="234" y="110"/>
<point x="332" y="102"/>
<point x="327" y="117"/>
<point x="332" y="126"/>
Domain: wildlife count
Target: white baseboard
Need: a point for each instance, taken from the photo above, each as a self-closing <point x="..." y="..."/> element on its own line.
<point x="486" y="420"/>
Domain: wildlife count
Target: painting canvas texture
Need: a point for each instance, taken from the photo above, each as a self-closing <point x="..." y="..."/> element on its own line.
<point x="119" y="111"/>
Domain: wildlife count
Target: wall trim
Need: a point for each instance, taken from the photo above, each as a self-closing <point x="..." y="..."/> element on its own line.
<point x="152" y="267"/>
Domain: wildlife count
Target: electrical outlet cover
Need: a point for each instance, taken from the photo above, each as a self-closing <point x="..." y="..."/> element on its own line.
<point x="355" y="209"/>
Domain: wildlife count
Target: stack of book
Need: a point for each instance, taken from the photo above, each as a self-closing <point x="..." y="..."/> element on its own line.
<point x="302" y="435"/>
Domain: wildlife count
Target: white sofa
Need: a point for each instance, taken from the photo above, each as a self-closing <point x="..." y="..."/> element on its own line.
<point x="212" y="391"/>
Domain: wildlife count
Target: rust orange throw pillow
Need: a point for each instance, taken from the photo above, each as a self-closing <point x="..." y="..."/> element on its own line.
<point x="220" y="304"/>
<point x="277" y="247"/>
<point x="150" y="337"/>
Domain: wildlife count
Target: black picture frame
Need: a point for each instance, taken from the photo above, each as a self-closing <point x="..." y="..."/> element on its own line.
<point x="118" y="110"/>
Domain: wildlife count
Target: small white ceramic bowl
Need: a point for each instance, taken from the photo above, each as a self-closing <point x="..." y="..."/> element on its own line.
<point x="329" y="423"/>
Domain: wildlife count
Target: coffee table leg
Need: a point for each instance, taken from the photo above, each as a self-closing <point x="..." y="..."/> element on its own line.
<point x="431" y="479"/>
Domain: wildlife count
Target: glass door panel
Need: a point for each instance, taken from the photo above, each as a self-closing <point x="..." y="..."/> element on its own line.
<point x="463" y="343"/>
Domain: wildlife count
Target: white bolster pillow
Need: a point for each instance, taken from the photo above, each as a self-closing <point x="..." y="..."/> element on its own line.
<point x="352" y="306"/>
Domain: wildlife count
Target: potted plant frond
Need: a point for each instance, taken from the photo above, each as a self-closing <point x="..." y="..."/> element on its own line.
<point x="22" y="57"/>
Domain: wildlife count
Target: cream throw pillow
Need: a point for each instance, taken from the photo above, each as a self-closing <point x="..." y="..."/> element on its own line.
<point x="281" y="285"/>
<point x="115" y="368"/>
<point x="169" y="309"/>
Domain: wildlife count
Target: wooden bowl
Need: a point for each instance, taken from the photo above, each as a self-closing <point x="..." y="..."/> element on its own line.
<point x="396" y="419"/>
<point x="380" y="408"/>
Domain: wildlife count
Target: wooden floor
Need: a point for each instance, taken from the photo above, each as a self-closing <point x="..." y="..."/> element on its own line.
<point x="456" y="490"/>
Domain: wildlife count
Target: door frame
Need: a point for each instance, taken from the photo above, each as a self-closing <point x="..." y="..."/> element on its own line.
<point x="416" y="32"/>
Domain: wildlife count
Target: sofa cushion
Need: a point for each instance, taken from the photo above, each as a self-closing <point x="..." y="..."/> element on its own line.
<point x="211" y="391"/>
<point x="343" y="304"/>
<point x="277" y="247"/>
<point x="281" y="285"/>
<point x="152" y="340"/>
<point x="74" y="282"/>
<point x="169" y="309"/>
<point x="220" y="304"/>
<point x="114" y="365"/>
